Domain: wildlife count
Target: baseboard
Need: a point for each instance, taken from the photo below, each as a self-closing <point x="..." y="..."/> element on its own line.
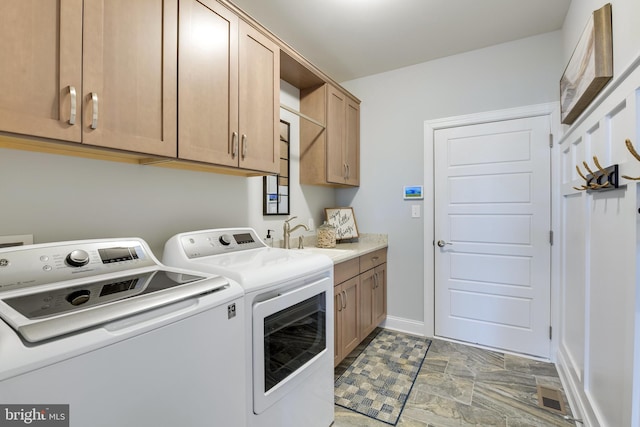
<point x="578" y="401"/>
<point x="407" y="326"/>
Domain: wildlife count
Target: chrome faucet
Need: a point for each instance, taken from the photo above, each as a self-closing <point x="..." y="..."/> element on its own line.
<point x="287" y="230"/>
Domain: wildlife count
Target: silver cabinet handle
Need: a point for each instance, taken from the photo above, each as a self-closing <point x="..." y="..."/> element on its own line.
<point x="244" y="145"/>
<point x="345" y="299"/>
<point x="234" y="144"/>
<point x="375" y="280"/>
<point x="442" y="243"/>
<point x="94" y="114"/>
<point x="72" y="115"/>
<point x="348" y="171"/>
<point x="341" y="301"/>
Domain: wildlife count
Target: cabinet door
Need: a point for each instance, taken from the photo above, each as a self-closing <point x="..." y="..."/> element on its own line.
<point x="336" y="104"/>
<point x="337" y="324"/>
<point x="350" y="315"/>
<point x="379" y="307"/>
<point x="259" y="102"/>
<point x="367" y="284"/>
<point x="40" y="62"/>
<point x="352" y="142"/>
<point x="130" y="75"/>
<point x="208" y="82"/>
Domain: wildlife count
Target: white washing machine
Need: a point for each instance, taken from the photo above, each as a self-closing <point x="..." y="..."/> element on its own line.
<point x="289" y="316"/>
<point x="103" y="327"/>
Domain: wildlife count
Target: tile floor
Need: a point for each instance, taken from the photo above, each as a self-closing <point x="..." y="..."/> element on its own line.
<point x="461" y="385"/>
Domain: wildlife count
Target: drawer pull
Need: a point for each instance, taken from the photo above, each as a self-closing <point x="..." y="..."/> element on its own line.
<point x="375" y="258"/>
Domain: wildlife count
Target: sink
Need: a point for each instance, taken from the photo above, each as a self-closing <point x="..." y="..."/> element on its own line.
<point x="330" y="252"/>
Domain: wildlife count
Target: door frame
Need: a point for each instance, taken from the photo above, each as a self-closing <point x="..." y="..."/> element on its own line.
<point x="430" y="127"/>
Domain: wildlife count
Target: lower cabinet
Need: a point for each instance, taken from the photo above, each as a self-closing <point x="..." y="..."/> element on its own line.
<point x="373" y="298"/>
<point x="346" y="309"/>
<point x="360" y="300"/>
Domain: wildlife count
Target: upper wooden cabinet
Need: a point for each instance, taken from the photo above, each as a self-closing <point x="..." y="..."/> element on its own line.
<point x="100" y="73"/>
<point x="199" y="89"/>
<point x="331" y="155"/>
<point x="40" y="67"/>
<point x="129" y="91"/>
<point x="343" y="138"/>
<point x="229" y="89"/>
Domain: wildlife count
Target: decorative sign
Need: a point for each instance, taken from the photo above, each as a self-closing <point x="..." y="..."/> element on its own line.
<point x="344" y="221"/>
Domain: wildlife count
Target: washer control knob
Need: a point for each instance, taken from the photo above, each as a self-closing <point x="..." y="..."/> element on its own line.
<point x="225" y="239"/>
<point x="78" y="258"/>
<point x="79" y="297"/>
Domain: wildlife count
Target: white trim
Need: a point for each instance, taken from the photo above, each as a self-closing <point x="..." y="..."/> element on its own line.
<point x="430" y="126"/>
<point x="407" y="326"/>
<point x="573" y="390"/>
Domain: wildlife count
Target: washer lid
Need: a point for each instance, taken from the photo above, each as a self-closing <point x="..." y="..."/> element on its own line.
<point x="262" y="267"/>
<point x="38" y="316"/>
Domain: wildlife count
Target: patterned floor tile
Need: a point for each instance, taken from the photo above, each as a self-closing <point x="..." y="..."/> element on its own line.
<point x="460" y="385"/>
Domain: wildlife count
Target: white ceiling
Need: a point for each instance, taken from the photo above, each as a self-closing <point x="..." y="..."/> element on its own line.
<point x="348" y="39"/>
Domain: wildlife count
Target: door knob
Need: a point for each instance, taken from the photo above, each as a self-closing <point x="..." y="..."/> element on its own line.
<point x="441" y="243"/>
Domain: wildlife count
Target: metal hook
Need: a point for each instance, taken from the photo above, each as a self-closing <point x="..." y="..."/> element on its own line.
<point x="635" y="154"/>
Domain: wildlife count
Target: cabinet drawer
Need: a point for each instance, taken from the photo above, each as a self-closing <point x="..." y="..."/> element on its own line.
<point x="346" y="270"/>
<point x="373" y="259"/>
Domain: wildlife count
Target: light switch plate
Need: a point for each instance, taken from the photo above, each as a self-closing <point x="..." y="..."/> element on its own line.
<point x="18" y="240"/>
<point x="415" y="211"/>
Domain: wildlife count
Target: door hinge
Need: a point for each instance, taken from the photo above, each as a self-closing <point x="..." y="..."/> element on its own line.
<point x="551" y="237"/>
<point x="550" y="332"/>
<point x="550" y="140"/>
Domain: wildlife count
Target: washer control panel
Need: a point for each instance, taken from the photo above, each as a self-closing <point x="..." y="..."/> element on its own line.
<point x="214" y="242"/>
<point x="46" y="263"/>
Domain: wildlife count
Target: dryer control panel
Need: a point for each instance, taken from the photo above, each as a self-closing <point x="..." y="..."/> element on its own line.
<point x="214" y="242"/>
<point x="47" y="263"/>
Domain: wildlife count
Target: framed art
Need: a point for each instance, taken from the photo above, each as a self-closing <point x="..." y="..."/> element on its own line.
<point x="590" y="67"/>
<point x="344" y="221"/>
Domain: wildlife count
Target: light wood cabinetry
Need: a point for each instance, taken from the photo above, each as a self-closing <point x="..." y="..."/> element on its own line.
<point x="360" y="300"/>
<point x="103" y="77"/>
<point x="40" y="60"/>
<point x="129" y="65"/>
<point x="100" y="73"/>
<point x="346" y="308"/>
<point x="343" y="138"/>
<point x="229" y="82"/>
<point x="373" y="291"/>
<point x="330" y="156"/>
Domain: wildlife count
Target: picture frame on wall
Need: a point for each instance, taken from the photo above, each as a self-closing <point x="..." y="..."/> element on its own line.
<point x="590" y="67"/>
<point x="344" y="220"/>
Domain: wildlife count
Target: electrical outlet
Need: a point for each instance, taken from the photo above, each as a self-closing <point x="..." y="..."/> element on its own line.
<point x="18" y="240"/>
<point x="310" y="224"/>
<point x="415" y="211"/>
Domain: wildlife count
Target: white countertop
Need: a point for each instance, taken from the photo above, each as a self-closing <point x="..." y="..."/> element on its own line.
<point x="345" y="251"/>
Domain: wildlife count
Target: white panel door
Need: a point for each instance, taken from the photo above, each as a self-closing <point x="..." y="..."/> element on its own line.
<point x="492" y="224"/>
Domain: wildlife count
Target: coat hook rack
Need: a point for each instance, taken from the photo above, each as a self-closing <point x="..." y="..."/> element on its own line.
<point x="635" y="154"/>
<point x="603" y="179"/>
